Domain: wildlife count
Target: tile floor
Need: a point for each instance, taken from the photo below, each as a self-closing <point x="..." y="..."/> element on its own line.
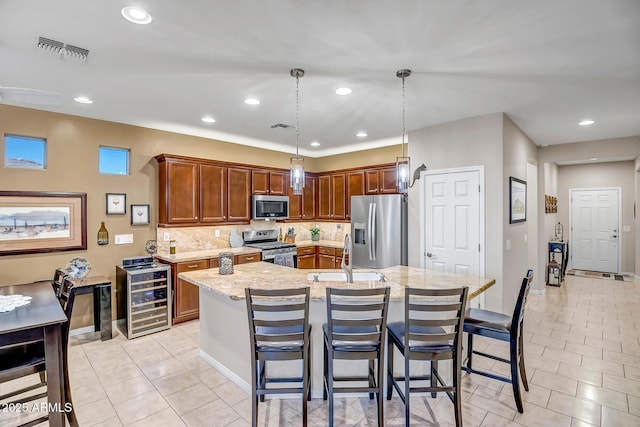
<point x="582" y="352"/>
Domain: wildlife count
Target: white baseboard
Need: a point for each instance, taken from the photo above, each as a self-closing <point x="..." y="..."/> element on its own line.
<point x="226" y="372"/>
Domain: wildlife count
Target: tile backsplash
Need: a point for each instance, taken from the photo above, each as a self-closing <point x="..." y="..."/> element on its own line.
<point x="202" y="238"/>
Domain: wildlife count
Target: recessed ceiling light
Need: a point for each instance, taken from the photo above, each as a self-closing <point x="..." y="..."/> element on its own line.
<point x="252" y="101"/>
<point x="315" y="144"/>
<point x="361" y="134"/>
<point x="586" y="122"/>
<point x="208" y="119"/>
<point x="593" y="158"/>
<point x="136" y="15"/>
<point x="83" y="100"/>
<point x="343" y="91"/>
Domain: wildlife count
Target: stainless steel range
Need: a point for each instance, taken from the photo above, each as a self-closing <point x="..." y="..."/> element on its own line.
<point x="281" y="253"/>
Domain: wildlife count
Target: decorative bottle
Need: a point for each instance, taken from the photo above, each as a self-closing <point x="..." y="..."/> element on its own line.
<point x="103" y="235"/>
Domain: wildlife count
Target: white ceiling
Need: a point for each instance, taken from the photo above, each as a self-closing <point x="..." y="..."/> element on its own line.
<point x="548" y="64"/>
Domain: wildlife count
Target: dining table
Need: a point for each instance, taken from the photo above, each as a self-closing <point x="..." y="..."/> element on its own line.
<point x="41" y="319"/>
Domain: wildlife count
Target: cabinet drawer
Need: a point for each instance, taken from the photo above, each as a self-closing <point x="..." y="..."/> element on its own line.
<point x="247" y="258"/>
<point x="193" y="265"/>
<point x="308" y="250"/>
<point x="214" y="262"/>
<point x="326" y="251"/>
<point x="339" y="252"/>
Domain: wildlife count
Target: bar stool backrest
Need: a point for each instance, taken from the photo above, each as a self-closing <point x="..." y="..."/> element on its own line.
<point x="58" y="278"/>
<point x="521" y="303"/>
<point x="278" y="318"/>
<point x="67" y="298"/>
<point x="434" y="320"/>
<point x="357" y="317"/>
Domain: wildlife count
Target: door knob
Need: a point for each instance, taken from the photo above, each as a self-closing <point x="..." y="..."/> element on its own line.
<point x="429" y="254"/>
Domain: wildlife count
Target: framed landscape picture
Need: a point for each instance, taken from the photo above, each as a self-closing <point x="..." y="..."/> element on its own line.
<point x="33" y="222"/>
<point x="517" y="200"/>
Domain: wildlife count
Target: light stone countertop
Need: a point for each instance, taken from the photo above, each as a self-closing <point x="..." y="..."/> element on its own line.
<point x="205" y="254"/>
<point x="262" y="275"/>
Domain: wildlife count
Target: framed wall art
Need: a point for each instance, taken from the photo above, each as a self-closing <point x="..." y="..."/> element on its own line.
<point x="39" y="221"/>
<point x="116" y="204"/>
<point x="139" y="214"/>
<point x="517" y="200"/>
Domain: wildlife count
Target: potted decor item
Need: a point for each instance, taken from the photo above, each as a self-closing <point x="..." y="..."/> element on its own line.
<point x="315" y="233"/>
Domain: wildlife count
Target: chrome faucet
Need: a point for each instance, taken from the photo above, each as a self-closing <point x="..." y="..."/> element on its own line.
<point x="347" y="266"/>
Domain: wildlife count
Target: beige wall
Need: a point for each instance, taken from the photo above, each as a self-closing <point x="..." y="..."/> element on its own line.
<point x="467" y="142"/>
<point x="519" y="150"/>
<point x="359" y="158"/>
<point x="597" y="175"/>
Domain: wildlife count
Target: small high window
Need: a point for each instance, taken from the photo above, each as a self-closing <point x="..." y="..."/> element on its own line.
<point x="114" y="161"/>
<point x="24" y="152"/>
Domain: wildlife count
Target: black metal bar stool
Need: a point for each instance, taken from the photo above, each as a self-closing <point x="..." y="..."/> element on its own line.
<point x="356" y="321"/>
<point x="431" y="332"/>
<point x="504" y="328"/>
<point x="279" y="330"/>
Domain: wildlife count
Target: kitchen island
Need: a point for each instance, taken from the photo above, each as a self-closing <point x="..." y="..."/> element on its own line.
<point x="224" y="326"/>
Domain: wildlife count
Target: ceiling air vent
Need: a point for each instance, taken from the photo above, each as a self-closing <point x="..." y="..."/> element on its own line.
<point x="64" y="50"/>
<point x="281" y="125"/>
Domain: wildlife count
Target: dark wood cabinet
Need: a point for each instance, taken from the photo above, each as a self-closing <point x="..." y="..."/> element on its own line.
<point x="302" y="206"/>
<point x="179" y="192"/>
<point x="388" y="182"/>
<point x="307" y="257"/>
<point x="338" y="196"/>
<point x="268" y="182"/>
<point x="331" y="197"/>
<point x="213" y="194"/>
<point x="238" y="195"/>
<point x="326" y="257"/>
<point x="308" y="207"/>
<point x="186" y="299"/>
<point x="381" y="181"/>
<point x="355" y="187"/>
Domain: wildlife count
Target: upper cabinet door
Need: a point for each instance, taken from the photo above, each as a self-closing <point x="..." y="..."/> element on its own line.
<point x="239" y="195"/>
<point x="338" y="190"/>
<point x="309" y="198"/>
<point x="388" y="180"/>
<point x="372" y="185"/>
<point x="259" y="182"/>
<point x="295" y="201"/>
<point x="324" y="197"/>
<point x="213" y="193"/>
<point x="355" y="187"/>
<point x="182" y="192"/>
<point x="277" y="183"/>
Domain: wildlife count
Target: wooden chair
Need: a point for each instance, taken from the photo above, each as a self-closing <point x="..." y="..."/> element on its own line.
<point x="356" y="322"/>
<point x="27" y="359"/>
<point x="504" y="328"/>
<point x="279" y="330"/>
<point x="58" y="278"/>
<point x="431" y="332"/>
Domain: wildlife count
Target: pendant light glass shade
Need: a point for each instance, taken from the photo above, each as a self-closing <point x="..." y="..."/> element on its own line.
<point x="297" y="175"/>
<point x="403" y="163"/>
<point x="403" y="166"/>
<point x="296" y="178"/>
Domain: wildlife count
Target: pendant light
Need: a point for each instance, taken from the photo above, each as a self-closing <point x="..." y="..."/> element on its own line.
<point x="297" y="163"/>
<point x="403" y="163"/>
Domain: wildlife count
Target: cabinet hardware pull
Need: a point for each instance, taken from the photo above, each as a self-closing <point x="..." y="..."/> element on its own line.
<point x="196" y="218"/>
<point x="192" y="265"/>
<point x="249" y="258"/>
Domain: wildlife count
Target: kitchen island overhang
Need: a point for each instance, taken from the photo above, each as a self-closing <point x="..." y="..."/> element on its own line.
<point x="224" y="326"/>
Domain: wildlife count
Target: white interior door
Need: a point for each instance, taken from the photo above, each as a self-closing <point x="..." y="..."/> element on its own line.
<point x="595" y="230"/>
<point x="452" y="222"/>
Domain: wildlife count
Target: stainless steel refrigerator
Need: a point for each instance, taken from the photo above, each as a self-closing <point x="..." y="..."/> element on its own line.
<point x="379" y="230"/>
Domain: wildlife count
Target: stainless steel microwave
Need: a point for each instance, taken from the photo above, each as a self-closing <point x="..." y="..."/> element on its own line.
<point x="269" y="207"/>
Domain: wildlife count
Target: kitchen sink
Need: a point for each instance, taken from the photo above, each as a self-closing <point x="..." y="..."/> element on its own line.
<point x="358" y="276"/>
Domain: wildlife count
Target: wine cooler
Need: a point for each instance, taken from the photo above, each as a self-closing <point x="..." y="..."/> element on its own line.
<point x="144" y="296"/>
